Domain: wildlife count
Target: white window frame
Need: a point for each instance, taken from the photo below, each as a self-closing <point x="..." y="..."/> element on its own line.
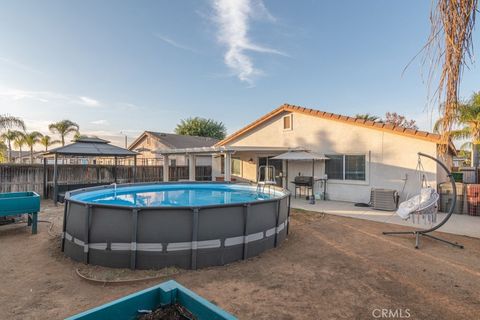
<point x="357" y="182"/>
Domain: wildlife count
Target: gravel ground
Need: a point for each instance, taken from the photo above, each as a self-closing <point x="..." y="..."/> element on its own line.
<point x="329" y="268"/>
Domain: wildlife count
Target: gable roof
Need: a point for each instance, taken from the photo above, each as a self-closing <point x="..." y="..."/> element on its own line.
<point x="412" y="133"/>
<point x="176" y="141"/>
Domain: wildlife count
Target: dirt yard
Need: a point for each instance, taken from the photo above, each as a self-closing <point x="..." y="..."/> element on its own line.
<point x="329" y="268"/>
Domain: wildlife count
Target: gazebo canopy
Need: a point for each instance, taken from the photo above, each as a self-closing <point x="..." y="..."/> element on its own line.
<point x="300" y="155"/>
<point x="94" y="147"/>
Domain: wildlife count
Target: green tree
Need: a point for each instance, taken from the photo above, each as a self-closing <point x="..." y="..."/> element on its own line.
<point x="47" y="141"/>
<point x="64" y="128"/>
<point x="367" y="116"/>
<point x="9" y="136"/>
<point x="31" y="139"/>
<point x="201" y="127"/>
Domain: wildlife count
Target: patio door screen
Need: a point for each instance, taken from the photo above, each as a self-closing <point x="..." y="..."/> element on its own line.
<point x="277" y="164"/>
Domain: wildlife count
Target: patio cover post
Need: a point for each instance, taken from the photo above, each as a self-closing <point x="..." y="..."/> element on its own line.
<point x="55" y="174"/>
<point x="45" y="177"/>
<point x="165" y="167"/>
<point x="191" y="167"/>
<point x="228" y="164"/>
<point x="312" y="197"/>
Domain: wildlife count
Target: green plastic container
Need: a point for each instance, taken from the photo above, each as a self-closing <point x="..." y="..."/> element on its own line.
<point x="16" y="203"/>
<point x="457" y="176"/>
<point x="166" y="293"/>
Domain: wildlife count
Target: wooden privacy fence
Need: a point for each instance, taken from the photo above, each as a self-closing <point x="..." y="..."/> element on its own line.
<point x="39" y="178"/>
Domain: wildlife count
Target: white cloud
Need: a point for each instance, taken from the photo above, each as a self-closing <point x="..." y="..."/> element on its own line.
<point x="89" y="102"/>
<point x="14" y="94"/>
<point x="232" y="18"/>
<point x="174" y="43"/>
<point x="100" y="122"/>
<point x="18" y="65"/>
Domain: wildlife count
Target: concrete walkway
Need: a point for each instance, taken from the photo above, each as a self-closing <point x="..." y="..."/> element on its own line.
<point x="458" y="224"/>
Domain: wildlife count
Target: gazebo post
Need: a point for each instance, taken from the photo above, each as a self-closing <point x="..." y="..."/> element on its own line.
<point x="134" y="168"/>
<point x="55" y="174"/>
<point x="115" y="169"/>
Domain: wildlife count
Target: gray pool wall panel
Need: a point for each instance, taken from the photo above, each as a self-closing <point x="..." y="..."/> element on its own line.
<point x="185" y="237"/>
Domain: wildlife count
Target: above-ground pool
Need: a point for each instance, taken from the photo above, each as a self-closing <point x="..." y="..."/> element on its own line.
<point x="188" y="225"/>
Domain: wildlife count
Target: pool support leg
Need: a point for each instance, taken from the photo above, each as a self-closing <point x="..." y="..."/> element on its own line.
<point x="133" y="249"/>
<point x="64" y="227"/>
<point x="87" y="233"/>
<point x="246" y="209"/>
<point x="277" y="217"/>
<point x="194" y="238"/>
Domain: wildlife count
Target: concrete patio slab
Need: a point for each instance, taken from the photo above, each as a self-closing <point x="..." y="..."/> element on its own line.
<point x="458" y="224"/>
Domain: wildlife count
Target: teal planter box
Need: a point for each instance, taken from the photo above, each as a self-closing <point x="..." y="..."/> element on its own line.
<point x="16" y="203"/>
<point x="166" y="293"/>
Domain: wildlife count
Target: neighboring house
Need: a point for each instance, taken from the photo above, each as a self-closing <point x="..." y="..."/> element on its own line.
<point x="149" y="144"/>
<point x="24" y="157"/>
<point x="362" y="154"/>
<point x="460" y="162"/>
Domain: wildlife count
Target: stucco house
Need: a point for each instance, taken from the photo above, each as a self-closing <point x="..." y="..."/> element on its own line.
<point x="362" y="154"/>
<point x="150" y="144"/>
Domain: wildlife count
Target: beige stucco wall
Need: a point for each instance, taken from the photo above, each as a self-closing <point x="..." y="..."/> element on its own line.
<point x="391" y="158"/>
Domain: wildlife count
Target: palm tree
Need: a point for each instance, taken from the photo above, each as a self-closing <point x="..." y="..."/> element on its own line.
<point x="3" y="148"/>
<point x="7" y="122"/>
<point x="31" y="139"/>
<point x="9" y="136"/>
<point x="47" y="141"/>
<point x="367" y="116"/>
<point x="63" y="128"/>
<point x="467" y="117"/>
<point x="19" y="142"/>
<point x="450" y="48"/>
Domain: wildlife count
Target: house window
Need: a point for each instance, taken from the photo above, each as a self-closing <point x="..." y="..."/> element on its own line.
<point x="173" y="162"/>
<point x="236" y="166"/>
<point x="287" y="122"/>
<point x="346" y="167"/>
<point x="355" y="167"/>
<point x="334" y="167"/>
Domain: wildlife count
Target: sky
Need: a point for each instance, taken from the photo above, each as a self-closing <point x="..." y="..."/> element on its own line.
<point x="121" y="67"/>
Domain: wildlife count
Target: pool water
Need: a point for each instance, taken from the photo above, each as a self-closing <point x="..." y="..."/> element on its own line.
<point x="174" y="195"/>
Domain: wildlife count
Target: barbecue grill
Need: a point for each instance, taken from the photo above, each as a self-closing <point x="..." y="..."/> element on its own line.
<point x="304" y="182"/>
